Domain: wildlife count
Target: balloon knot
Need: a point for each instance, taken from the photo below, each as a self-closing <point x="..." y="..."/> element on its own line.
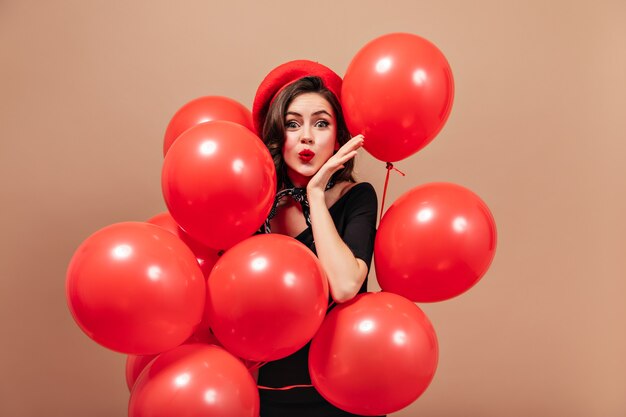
<point x="390" y="167"/>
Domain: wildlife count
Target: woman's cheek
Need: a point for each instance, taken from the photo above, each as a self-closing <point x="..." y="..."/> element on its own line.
<point x="290" y="142"/>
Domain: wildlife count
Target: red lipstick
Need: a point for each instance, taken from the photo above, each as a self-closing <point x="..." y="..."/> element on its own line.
<point x="306" y="155"/>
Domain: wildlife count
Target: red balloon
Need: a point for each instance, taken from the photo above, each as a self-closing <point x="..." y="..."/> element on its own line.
<point x="434" y="243"/>
<point x="398" y="92"/>
<point x="374" y="355"/>
<point x="219" y="183"/>
<point x="202" y="335"/>
<point x="206" y="256"/>
<point x="206" y="109"/>
<point x="207" y="337"/>
<point x="135" y="288"/>
<point x="266" y="297"/>
<point x="192" y="381"/>
<point x="134" y="365"/>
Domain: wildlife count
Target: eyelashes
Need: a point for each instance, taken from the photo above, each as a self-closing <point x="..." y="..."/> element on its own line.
<point x="292" y="124"/>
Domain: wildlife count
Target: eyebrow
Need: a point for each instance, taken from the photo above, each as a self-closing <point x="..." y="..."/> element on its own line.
<point x="314" y="114"/>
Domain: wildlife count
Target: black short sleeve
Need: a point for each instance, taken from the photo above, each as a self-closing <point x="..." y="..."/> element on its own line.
<point x="359" y="221"/>
<point x="354" y="216"/>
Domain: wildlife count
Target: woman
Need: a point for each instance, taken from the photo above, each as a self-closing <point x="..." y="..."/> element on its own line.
<point x="298" y="115"/>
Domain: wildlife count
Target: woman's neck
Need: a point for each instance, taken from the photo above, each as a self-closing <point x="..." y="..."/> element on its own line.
<point x="298" y="181"/>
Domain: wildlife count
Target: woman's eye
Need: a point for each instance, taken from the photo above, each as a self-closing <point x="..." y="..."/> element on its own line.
<point x="322" y="123"/>
<point x="291" y="124"/>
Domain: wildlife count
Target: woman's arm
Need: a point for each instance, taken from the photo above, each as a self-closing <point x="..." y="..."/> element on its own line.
<point x="345" y="272"/>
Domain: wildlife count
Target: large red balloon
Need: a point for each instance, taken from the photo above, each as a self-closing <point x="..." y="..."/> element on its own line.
<point x="434" y="243"/>
<point x="398" y="93"/>
<point x="193" y="381"/>
<point x="267" y="296"/>
<point x="206" y="256"/>
<point x="374" y="355"/>
<point x="219" y="183"/>
<point x="135" y="288"/>
<point x="206" y="109"/>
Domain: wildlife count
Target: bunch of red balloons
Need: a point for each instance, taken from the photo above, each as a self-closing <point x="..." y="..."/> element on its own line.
<point x="140" y="288"/>
<point x="197" y="301"/>
<point x="437" y="240"/>
<point x="378" y="353"/>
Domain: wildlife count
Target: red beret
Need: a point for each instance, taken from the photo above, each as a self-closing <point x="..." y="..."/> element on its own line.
<point x="284" y="75"/>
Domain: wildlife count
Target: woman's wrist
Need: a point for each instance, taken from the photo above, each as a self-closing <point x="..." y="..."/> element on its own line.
<point x="315" y="194"/>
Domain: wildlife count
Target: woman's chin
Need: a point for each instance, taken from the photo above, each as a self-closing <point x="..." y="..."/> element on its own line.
<point x="302" y="175"/>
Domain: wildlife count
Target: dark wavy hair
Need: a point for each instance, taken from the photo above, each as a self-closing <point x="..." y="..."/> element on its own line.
<point x="273" y="133"/>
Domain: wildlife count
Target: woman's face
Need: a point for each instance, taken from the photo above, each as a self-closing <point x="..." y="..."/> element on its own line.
<point x="310" y="136"/>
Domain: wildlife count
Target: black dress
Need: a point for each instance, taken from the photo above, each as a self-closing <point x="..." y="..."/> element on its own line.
<point x="354" y="215"/>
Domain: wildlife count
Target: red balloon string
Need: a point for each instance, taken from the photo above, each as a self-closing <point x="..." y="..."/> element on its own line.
<point x="284" y="388"/>
<point x="256" y="366"/>
<point x="389" y="168"/>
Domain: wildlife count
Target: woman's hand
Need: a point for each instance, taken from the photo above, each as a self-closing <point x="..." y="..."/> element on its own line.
<point x="318" y="182"/>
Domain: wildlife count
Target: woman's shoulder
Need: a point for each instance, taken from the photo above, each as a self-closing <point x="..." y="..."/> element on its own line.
<point x="358" y="194"/>
<point x="357" y="187"/>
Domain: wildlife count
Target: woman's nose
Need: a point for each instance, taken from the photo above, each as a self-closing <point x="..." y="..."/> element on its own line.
<point x="307" y="136"/>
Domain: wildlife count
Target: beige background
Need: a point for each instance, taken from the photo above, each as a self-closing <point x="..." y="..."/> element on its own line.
<point x="537" y="130"/>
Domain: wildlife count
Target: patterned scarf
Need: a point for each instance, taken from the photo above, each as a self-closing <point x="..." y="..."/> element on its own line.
<point x="298" y="194"/>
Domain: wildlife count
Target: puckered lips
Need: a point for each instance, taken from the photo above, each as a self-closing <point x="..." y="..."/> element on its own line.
<point x="306" y="155"/>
